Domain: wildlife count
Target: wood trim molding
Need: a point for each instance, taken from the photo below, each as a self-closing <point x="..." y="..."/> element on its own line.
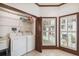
<point x="69" y="14"/>
<point x="59" y="31"/>
<point x="38" y="35"/>
<point x="62" y="4"/>
<point x="49" y="47"/>
<point x="50" y="5"/>
<point x="48" y="17"/>
<point x="15" y="9"/>
<point x="77" y="32"/>
<point x="37" y="4"/>
<point x="69" y="50"/>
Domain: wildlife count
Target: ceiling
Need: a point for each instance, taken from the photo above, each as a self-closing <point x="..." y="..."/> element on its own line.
<point x="49" y="4"/>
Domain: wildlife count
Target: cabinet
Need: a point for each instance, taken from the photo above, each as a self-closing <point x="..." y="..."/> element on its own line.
<point x="18" y="45"/>
<point x="21" y="44"/>
<point x="30" y="43"/>
<point x="68" y="32"/>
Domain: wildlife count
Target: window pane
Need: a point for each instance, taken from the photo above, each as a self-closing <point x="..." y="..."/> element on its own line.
<point x="64" y="39"/>
<point x="72" y="40"/>
<point x="52" y="38"/>
<point x="63" y="24"/>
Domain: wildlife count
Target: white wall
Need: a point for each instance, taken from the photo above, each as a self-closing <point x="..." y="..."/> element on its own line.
<point x="69" y="8"/>
<point x="59" y="11"/>
<point x="8" y="21"/>
<point x="49" y="11"/>
<point x="46" y="11"/>
<point x="27" y="7"/>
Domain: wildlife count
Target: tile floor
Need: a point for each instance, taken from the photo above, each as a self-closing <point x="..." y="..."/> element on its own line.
<point x="49" y="52"/>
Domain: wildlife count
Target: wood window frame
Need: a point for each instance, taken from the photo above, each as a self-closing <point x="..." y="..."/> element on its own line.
<point x="67" y="49"/>
<point x="51" y="47"/>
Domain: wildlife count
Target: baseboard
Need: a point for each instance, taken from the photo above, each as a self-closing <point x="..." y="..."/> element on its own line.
<point x="69" y="50"/>
<point x="49" y="47"/>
